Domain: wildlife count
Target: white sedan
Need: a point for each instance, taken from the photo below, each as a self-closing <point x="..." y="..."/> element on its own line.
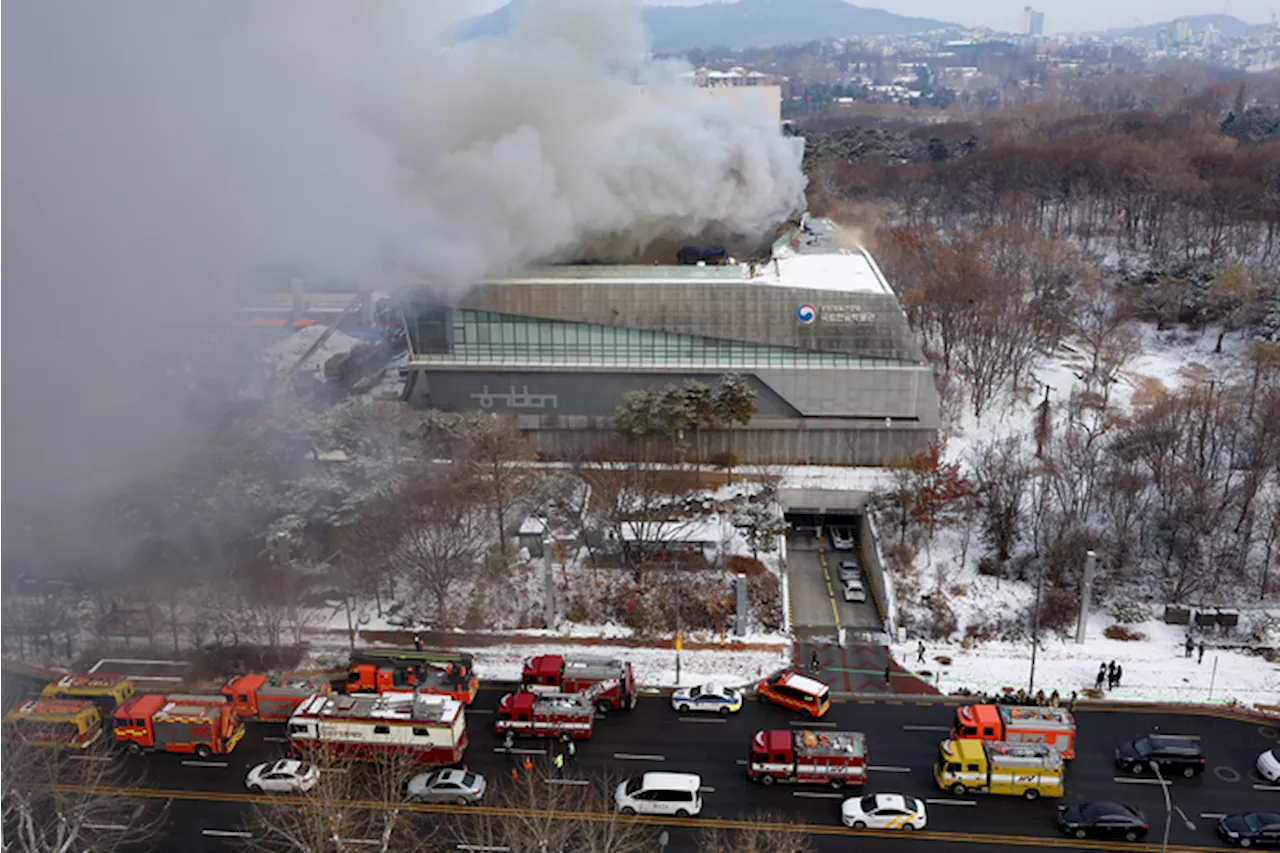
<point x="284" y="776"/>
<point x="707" y="697"/>
<point x="883" y="811"/>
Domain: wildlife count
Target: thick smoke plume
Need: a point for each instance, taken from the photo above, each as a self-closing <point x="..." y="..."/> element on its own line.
<point x="158" y="155"/>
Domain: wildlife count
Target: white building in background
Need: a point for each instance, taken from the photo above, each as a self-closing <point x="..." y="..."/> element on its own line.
<point x="741" y="88"/>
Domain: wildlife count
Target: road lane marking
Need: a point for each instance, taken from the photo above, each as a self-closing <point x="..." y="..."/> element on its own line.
<point x="1178" y="737"/>
<point x="942" y="802"/>
<point x="567" y="781"/>
<point x="635" y="756"/>
<point x="106" y="827"/>
<point x="702" y="719"/>
<point x="205" y="763"/>
<point x="882" y="769"/>
<point x="605" y="817"/>
<point x="1129" y="780"/>
<point x="478" y="711"/>
<point x="706" y="789"/>
<point x="1266" y="787"/>
<point x="926" y="729"/>
<point x="226" y="833"/>
<point x="515" y="750"/>
<point x="811" y="724"/>
<point x="818" y="795"/>
<point x="742" y="762"/>
<point x="1212" y="815"/>
<point x="275" y="739"/>
<point x="91" y="757"/>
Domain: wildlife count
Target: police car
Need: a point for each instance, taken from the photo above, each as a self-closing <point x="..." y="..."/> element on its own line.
<point x="883" y="811"/>
<point x="707" y="697"/>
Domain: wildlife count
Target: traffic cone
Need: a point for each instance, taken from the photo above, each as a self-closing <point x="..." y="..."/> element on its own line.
<point x="528" y="764"/>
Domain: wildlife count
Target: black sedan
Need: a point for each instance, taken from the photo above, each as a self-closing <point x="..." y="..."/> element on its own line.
<point x="1102" y="820"/>
<point x="1255" y="829"/>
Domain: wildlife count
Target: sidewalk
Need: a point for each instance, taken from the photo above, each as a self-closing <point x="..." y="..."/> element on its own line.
<point x="463" y="639"/>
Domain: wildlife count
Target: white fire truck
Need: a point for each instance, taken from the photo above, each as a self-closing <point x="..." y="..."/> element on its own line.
<point x="562" y="715"/>
<point x="429" y="727"/>
<point x="808" y="757"/>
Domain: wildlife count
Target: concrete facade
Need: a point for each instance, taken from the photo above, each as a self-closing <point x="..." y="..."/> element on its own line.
<point x="839" y="377"/>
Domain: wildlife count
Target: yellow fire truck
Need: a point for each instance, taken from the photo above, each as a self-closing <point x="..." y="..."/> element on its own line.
<point x="1030" y="770"/>
<point x="65" y="723"/>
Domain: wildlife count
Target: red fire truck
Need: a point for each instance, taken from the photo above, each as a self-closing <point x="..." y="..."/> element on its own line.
<point x="562" y="715"/>
<point x="808" y="757"/>
<point x="270" y="698"/>
<point x="429" y="727"/>
<point x="561" y="674"/>
<point x="206" y="726"/>
<point x="412" y="670"/>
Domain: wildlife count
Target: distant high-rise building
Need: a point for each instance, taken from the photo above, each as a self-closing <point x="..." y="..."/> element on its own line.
<point x="1032" y="22"/>
<point x="1181" y="31"/>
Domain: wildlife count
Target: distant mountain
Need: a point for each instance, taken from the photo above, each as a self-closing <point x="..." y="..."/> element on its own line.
<point x="747" y="23"/>
<point x="1226" y="24"/>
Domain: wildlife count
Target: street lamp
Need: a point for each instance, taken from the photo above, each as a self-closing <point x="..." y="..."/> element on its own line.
<point x="679" y="639"/>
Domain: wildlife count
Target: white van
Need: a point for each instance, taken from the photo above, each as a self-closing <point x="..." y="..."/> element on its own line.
<point x="662" y="794"/>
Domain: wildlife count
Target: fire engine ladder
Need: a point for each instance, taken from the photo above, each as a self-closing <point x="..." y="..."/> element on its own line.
<point x="595" y="691"/>
<point x="328" y="333"/>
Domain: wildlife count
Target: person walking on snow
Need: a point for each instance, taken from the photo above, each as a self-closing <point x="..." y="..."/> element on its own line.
<point x="888" y="675"/>
<point x="920" y="652"/>
<point x="1102" y="676"/>
<point x="1119" y="674"/>
<point x="1200" y="659"/>
<point x="1071" y="706"/>
<point x="1111" y="675"/>
<point x="1190" y="645"/>
<point x="417" y="643"/>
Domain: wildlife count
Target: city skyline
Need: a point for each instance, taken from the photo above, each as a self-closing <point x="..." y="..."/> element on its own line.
<point x="1060" y="16"/>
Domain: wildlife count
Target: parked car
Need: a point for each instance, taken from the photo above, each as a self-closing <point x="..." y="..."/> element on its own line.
<point x="1102" y="820"/>
<point x="1269" y="764"/>
<point x="661" y="793"/>
<point x="842" y="538"/>
<point x="707" y="697"/>
<point x="1254" y="829"/>
<point x="284" y="776"/>
<point x="884" y="811"/>
<point x="850" y="571"/>
<point x="1178" y="756"/>
<point x="447" y="786"/>
<point x="854" y="591"/>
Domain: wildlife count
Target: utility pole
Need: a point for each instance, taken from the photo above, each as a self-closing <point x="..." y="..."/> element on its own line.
<point x="1168" y="806"/>
<point x="1086" y="593"/>
<point x="1035" y="631"/>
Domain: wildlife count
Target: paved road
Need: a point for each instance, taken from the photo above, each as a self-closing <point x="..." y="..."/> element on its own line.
<point x="818" y="608"/>
<point x="902" y="735"/>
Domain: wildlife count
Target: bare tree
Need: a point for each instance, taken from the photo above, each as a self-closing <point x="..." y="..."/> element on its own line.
<point x="443" y="539"/>
<point x="1105" y="334"/>
<point x="56" y="805"/>
<point x="494" y="453"/>
<point x="537" y="813"/>
<point x="354" y="806"/>
<point x="768" y="834"/>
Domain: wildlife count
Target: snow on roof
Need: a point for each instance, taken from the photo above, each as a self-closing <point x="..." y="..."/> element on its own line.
<point x="700" y="530"/>
<point x="285" y="354"/>
<point x="532" y="526"/>
<point x="806" y="684"/>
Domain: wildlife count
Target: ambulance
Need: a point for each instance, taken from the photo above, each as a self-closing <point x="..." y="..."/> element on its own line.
<point x="1030" y="770"/>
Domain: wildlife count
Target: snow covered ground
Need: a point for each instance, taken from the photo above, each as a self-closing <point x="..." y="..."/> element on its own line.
<point x="1155" y="669"/>
<point x="652" y="667"/>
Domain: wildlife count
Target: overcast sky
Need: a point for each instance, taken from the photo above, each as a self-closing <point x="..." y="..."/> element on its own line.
<point x="1062" y="15"/>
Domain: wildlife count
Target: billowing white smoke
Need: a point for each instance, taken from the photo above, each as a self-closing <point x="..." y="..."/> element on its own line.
<point x="158" y="151"/>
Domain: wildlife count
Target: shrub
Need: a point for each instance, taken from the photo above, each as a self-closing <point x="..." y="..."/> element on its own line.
<point x="724" y="459"/>
<point x="748" y="566"/>
<point x="1058" y="609"/>
<point x="764" y="597"/>
<point x="1128" y="611"/>
<point x="1120" y="632"/>
<point x="576" y="610"/>
<point x="958" y="591"/>
<point x="941" y="623"/>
